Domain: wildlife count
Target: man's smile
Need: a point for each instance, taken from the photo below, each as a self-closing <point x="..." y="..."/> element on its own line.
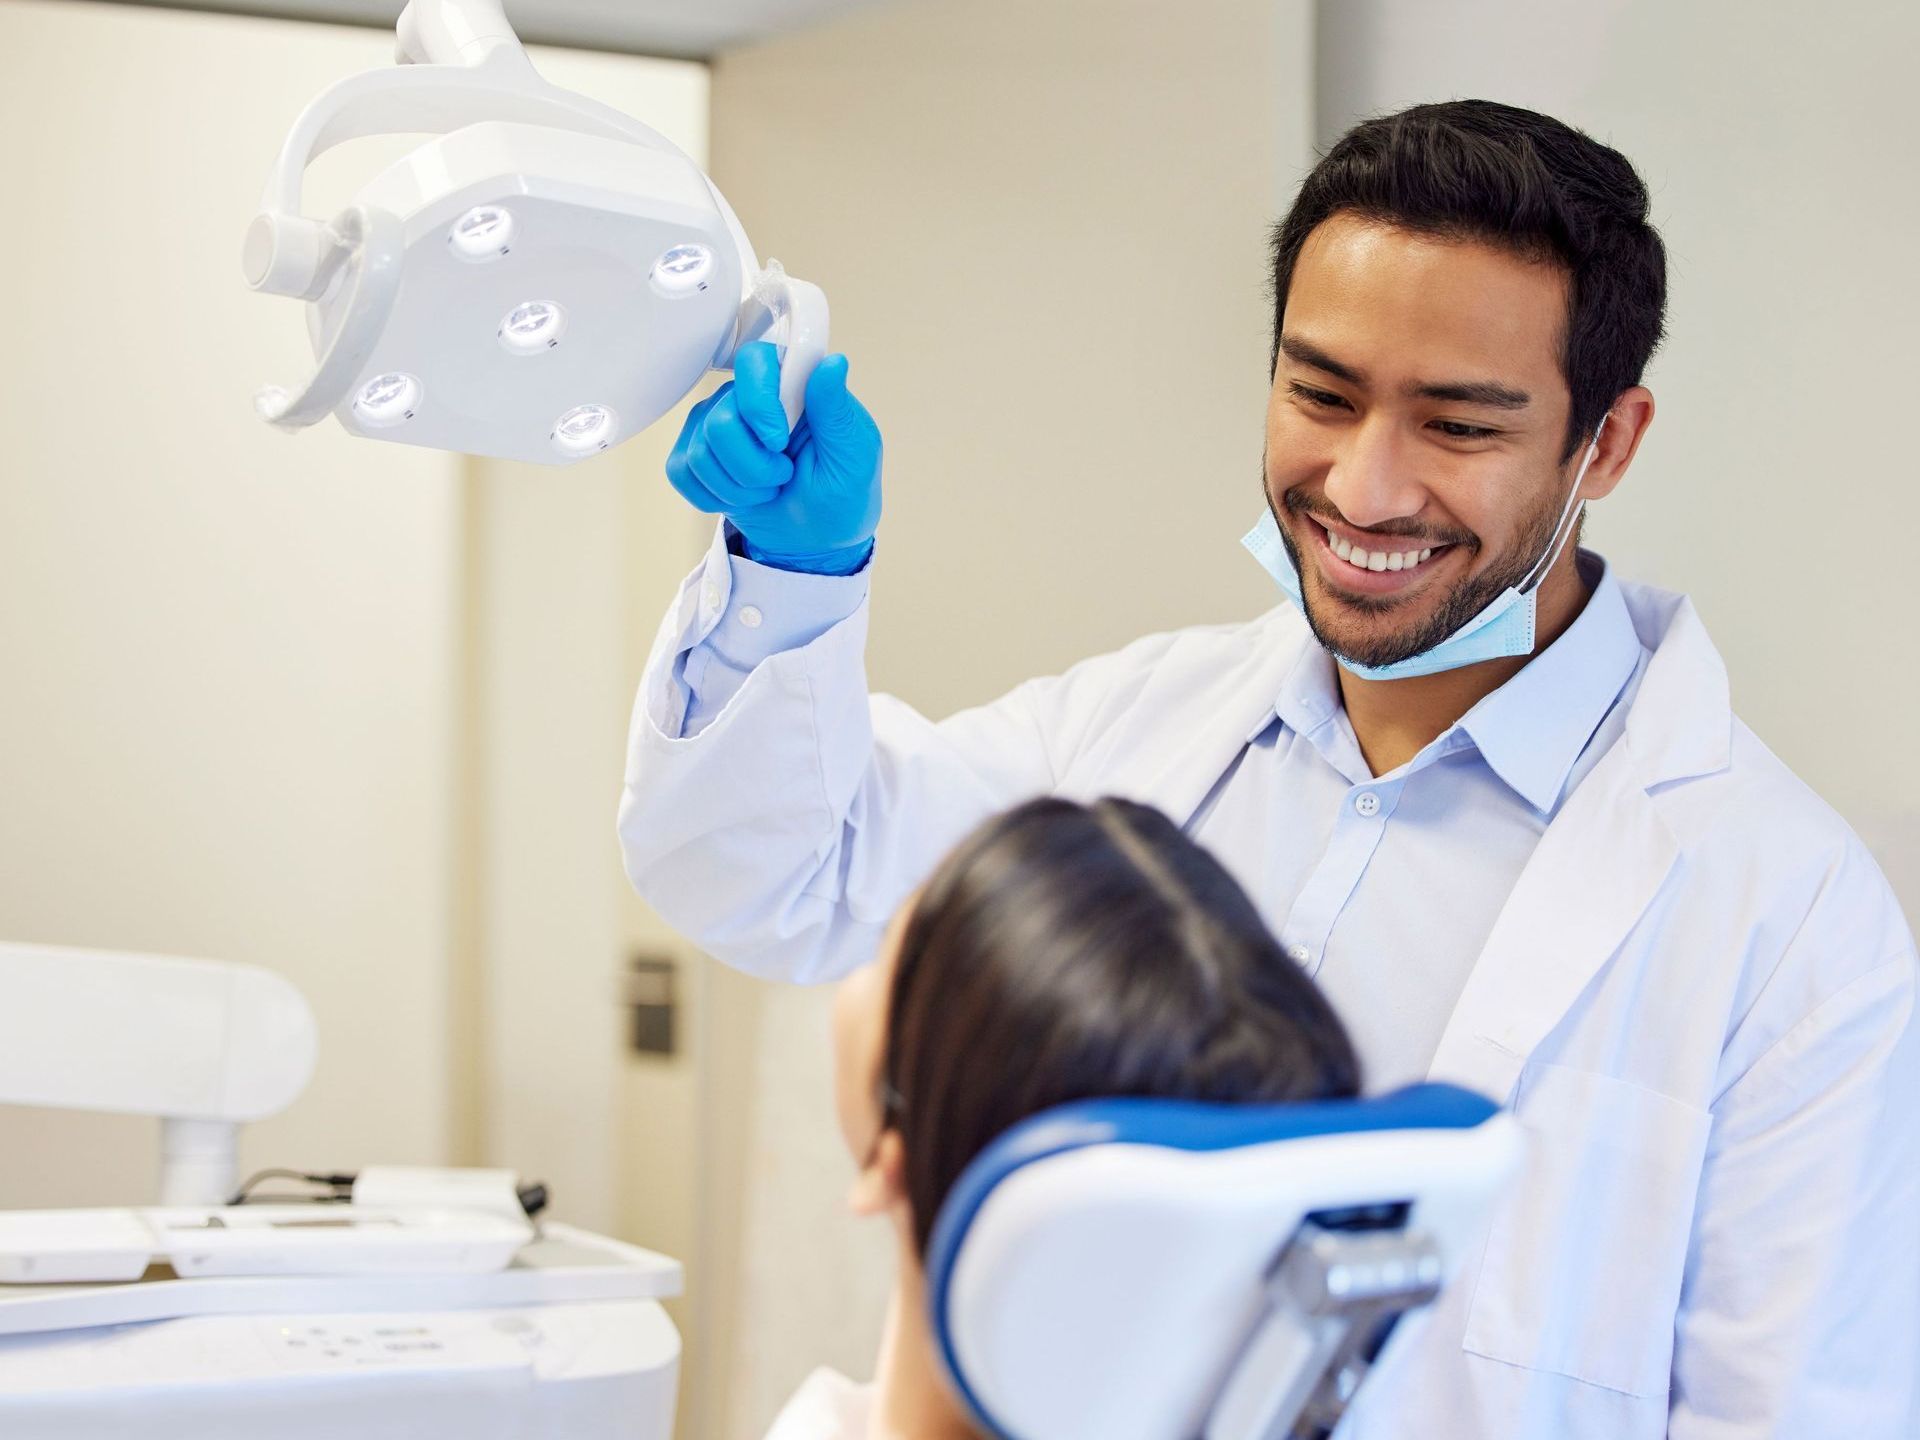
<point x="1377" y="565"/>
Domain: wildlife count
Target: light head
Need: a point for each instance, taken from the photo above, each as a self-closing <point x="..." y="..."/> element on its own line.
<point x="543" y="279"/>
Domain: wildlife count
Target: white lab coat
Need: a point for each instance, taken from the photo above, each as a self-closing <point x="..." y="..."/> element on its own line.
<point x="1697" y="999"/>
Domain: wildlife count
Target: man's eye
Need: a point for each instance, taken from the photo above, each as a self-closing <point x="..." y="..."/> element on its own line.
<point x="1452" y="429"/>
<point x="1320" y="398"/>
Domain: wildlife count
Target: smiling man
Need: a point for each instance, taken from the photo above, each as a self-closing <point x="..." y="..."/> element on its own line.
<point x="1491" y="795"/>
<point x="1412" y="517"/>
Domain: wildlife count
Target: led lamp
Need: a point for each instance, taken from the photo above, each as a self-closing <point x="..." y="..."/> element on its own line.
<point x="584" y="430"/>
<point x="683" y="270"/>
<point x="533" y="328"/>
<point x="484" y="233"/>
<point x="387" y="400"/>
<point x="595" y="253"/>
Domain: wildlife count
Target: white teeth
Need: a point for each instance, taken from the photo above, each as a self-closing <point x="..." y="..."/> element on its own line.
<point x="1376" y="560"/>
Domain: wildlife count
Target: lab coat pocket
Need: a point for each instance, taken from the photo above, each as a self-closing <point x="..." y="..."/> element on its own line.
<point x="1583" y="1266"/>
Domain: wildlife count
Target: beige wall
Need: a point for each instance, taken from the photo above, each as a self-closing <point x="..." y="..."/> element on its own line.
<point x="1041" y="230"/>
<point x="224" y="652"/>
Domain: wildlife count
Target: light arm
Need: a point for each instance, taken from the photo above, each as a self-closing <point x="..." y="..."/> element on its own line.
<point x="454" y="32"/>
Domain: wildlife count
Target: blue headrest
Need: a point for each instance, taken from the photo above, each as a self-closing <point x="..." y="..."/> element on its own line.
<point x="1173" y="1126"/>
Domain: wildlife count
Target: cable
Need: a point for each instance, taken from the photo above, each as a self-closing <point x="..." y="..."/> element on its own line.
<point x="339" y="1187"/>
<point x="533" y="1195"/>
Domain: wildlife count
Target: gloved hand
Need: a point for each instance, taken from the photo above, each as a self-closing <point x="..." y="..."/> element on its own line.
<point x="806" y="501"/>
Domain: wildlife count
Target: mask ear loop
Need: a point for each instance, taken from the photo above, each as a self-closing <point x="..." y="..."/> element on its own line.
<point x="1563" y="529"/>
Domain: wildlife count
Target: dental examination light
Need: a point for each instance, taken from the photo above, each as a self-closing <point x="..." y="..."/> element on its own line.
<point x="542" y="280"/>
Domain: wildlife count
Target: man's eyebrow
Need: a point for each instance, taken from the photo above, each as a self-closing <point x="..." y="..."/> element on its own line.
<point x="1474" y="392"/>
<point x="1461" y="392"/>
<point x="1308" y="353"/>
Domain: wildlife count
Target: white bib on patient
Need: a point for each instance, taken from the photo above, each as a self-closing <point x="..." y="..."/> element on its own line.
<point x="827" y="1406"/>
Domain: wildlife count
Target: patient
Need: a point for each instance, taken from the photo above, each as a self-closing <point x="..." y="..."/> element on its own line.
<point x="1061" y="952"/>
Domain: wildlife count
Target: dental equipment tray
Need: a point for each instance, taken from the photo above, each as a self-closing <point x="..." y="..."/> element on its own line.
<point x="561" y="1264"/>
<point x="71" y="1247"/>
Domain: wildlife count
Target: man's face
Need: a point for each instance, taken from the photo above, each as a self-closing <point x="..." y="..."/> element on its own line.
<point x="1417" y="407"/>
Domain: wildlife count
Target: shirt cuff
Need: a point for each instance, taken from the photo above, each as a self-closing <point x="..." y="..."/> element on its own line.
<point x="768" y="610"/>
<point x="744" y="613"/>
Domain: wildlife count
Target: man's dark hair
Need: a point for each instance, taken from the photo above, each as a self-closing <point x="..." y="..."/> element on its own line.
<point x="1522" y="181"/>
<point x="1065" y="952"/>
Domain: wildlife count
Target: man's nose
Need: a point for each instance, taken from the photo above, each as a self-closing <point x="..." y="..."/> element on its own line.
<point x="1372" y="479"/>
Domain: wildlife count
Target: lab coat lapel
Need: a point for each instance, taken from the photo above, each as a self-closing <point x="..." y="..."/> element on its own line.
<point x="1601" y="862"/>
<point x="1225" y="711"/>
<point x="1592" y="876"/>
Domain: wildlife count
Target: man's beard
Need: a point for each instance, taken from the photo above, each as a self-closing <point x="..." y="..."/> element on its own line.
<point x="1466" y="600"/>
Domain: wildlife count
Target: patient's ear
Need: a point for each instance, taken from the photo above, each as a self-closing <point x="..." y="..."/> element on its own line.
<point x="882" y="1182"/>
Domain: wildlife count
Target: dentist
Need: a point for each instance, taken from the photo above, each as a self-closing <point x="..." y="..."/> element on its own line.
<point x="1487" y="792"/>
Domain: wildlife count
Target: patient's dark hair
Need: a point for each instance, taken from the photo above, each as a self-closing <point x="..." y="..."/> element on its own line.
<point x="1064" y="952"/>
<point x="1526" y="183"/>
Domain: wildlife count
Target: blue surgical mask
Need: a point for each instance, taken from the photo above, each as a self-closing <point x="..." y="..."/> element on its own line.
<point x="1505" y="628"/>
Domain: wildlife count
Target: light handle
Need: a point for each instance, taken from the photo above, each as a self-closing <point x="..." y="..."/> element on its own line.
<point x="794" y="314"/>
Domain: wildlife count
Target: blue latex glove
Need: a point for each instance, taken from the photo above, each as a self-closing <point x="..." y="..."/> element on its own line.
<point x="806" y="501"/>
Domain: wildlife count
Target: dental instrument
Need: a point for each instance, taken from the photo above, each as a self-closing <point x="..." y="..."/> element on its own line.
<point x="411" y="1302"/>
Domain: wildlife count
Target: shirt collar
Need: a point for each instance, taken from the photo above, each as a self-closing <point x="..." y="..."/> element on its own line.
<point x="1310" y="695"/>
<point x="1532" y="730"/>
<point x="1310" y="706"/>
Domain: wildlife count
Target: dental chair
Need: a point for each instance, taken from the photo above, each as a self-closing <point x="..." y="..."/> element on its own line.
<point x="413" y="1303"/>
<point x="1141" y="1269"/>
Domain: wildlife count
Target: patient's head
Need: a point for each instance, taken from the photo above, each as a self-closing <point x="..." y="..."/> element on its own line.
<point x="1063" y="952"/>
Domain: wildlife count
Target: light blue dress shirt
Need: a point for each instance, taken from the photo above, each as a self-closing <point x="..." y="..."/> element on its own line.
<point x="1384" y="888"/>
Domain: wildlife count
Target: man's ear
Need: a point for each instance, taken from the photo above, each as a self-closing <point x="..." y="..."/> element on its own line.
<point x="881" y="1184"/>
<point x="1620" y="439"/>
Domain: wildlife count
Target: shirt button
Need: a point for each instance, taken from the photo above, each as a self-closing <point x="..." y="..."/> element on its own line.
<point x="1298" y="954"/>
<point x="750" y="616"/>
<point x="1367" y="803"/>
<point x="711" y="595"/>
